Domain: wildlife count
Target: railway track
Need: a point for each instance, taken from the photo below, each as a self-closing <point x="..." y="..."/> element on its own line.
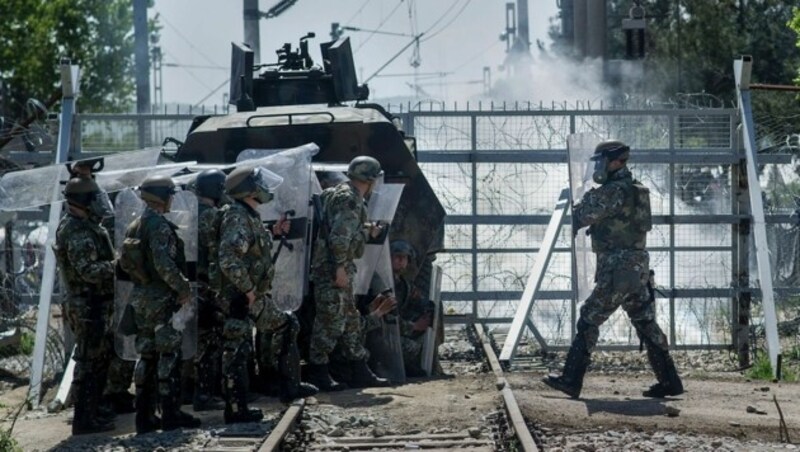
<point x="503" y="429"/>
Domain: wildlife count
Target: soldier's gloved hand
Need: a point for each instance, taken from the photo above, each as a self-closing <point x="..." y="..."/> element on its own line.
<point x="376" y="229"/>
<point x="282" y="226"/>
<point x="341" y="281"/>
<point x="381" y="305"/>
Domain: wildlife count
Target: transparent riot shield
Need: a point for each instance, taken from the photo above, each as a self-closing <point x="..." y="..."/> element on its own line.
<point x="127" y="207"/>
<point x="183" y="213"/>
<point x="27" y="188"/>
<point x="381" y="207"/>
<point x="377" y="260"/>
<point x="580" y="148"/>
<point x="290" y="251"/>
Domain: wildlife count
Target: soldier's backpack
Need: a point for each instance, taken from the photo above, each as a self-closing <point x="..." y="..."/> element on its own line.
<point x="132" y="256"/>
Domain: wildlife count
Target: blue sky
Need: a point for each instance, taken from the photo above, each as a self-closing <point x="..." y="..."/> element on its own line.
<point x="199" y="33"/>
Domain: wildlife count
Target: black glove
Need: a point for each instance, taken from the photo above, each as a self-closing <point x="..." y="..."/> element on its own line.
<point x="239" y="307"/>
<point x="575" y="225"/>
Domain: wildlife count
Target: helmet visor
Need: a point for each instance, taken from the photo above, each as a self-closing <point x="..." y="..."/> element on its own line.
<point x="266" y="180"/>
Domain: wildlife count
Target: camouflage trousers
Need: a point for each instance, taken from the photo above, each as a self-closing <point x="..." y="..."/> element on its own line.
<point x="158" y="343"/>
<point x="337" y="321"/>
<point x="278" y="329"/>
<point x="621" y="280"/>
<point x="237" y="348"/>
<point x="120" y="374"/>
<point x="92" y="348"/>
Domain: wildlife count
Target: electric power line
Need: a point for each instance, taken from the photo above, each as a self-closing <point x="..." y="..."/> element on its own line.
<point x="383" y="21"/>
<point x="360" y="8"/>
<point x="181" y="35"/>
<point x="463" y="7"/>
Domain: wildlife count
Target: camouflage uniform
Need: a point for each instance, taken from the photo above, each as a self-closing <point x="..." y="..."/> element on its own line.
<point x="245" y="263"/>
<point x="154" y="303"/>
<point x="619" y="232"/>
<point x="209" y="335"/>
<point x="86" y="259"/>
<point x="337" y="319"/>
<point x="120" y="371"/>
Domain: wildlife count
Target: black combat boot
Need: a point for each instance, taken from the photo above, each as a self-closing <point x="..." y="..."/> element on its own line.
<point x="86" y="420"/>
<point x="364" y="378"/>
<point x="669" y="382"/>
<point x="146" y="419"/>
<point x="121" y="402"/>
<point x="171" y="415"/>
<point x="571" y="381"/>
<point x="240" y="412"/>
<point x="319" y="376"/>
<point x="291" y="387"/>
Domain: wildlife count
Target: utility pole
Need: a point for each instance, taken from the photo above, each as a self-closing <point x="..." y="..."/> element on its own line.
<point x="252" y="30"/>
<point x="141" y="56"/>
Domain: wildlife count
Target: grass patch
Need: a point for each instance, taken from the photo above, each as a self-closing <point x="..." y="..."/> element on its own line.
<point x="7" y="443"/>
<point x="26" y="344"/>
<point x="762" y="369"/>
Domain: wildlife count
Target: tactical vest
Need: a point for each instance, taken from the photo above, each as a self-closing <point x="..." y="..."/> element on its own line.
<point x="258" y="259"/>
<point x="628" y="229"/>
<point x="77" y="286"/>
<point x="136" y="257"/>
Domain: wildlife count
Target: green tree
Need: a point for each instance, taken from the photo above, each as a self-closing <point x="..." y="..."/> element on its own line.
<point x="691" y="44"/>
<point x="97" y="35"/>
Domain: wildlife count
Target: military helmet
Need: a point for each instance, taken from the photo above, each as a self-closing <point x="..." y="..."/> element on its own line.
<point x="85" y="193"/>
<point x="252" y="181"/>
<point x="611" y="150"/>
<point x="402" y="247"/>
<point x="157" y="189"/>
<point x="210" y="184"/>
<point x="80" y="191"/>
<point x="364" y="168"/>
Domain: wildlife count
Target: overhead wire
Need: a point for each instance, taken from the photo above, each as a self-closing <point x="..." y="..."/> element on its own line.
<point x="461" y="11"/>
<point x="383" y="21"/>
<point x="358" y="11"/>
<point x="182" y="36"/>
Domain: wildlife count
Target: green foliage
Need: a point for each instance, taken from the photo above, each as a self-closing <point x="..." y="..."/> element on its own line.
<point x="7" y="443"/>
<point x="26" y="344"/>
<point x="95" y="34"/>
<point x="762" y="369"/>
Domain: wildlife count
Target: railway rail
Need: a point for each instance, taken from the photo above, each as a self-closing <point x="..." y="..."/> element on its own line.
<point x="288" y="433"/>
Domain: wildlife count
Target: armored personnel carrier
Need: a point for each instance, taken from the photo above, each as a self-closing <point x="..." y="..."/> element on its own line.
<point x="294" y="102"/>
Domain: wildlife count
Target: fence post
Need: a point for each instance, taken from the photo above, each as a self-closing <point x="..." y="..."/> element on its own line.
<point x="741" y="301"/>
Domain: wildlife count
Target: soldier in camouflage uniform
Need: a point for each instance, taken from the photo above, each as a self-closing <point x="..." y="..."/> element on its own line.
<point x="159" y="289"/>
<point x="341" y="240"/>
<point x="86" y="259"/>
<point x="209" y="188"/>
<point x="245" y="261"/>
<point x="619" y="215"/>
<point x="416" y="313"/>
<point x="120" y="371"/>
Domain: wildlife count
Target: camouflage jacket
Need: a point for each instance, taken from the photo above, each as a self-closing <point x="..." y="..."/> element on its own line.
<point x="610" y="210"/>
<point x="345" y="213"/>
<point x="86" y="257"/>
<point x="207" y="238"/>
<point x="245" y="248"/>
<point x="165" y="258"/>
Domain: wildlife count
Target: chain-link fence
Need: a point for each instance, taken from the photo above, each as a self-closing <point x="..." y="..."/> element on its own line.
<point x="498" y="175"/>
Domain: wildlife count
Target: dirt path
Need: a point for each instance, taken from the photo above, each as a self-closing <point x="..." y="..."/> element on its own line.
<point x="717" y="408"/>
